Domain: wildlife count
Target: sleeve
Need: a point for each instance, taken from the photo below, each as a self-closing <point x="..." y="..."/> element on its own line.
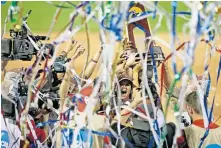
<point x="41" y="134"/>
<point x="182" y="141"/>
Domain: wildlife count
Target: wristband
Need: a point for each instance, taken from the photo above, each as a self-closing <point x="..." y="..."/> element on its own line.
<point x="64" y="53"/>
<point x="94" y="61"/>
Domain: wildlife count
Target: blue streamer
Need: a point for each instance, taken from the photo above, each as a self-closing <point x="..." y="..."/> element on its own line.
<point x="41" y="124"/>
<point x="3" y="2"/>
<point x="141" y="28"/>
<point x="84" y="3"/>
<point x="74" y="99"/>
<point x="204" y="6"/>
<point x="71" y="4"/>
<point x="198" y="27"/>
<point x="210" y="116"/>
<point x="64" y="137"/>
<point x="88" y="9"/>
<point x="174" y="5"/>
<point x="206" y="67"/>
<point x="206" y="95"/>
<point x="33" y="145"/>
<point x="155" y="9"/>
<point x="203" y="138"/>
<point x="157" y="127"/>
<point x="72" y="22"/>
<point x="113" y="26"/>
<point x="150" y="144"/>
<point x="217" y="80"/>
<point x="63" y="7"/>
<point x="208" y="86"/>
<point x="174" y="68"/>
<point x="68" y="115"/>
<point x="218" y="74"/>
<point x="103" y="134"/>
<point x="71" y="134"/>
<point x="182" y="71"/>
<point x="207" y="22"/>
<point x="211" y="35"/>
<point x="154" y="65"/>
<point x="183" y="13"/>
<point x="94" y="132"/>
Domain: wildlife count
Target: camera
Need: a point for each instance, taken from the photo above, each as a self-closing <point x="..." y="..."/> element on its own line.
<point x="22" y="89"/>
<point x="19" y="46"/>
<point x="59" y="62"/>
<point x="185" y="120"/>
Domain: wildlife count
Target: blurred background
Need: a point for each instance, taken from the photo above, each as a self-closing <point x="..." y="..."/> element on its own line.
<point x="43" y="12"/>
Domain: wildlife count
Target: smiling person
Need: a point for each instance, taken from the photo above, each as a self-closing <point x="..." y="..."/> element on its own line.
<point x="134" y="128"/>
<point x="126" y="88"/>
<point x="123" y="93"/>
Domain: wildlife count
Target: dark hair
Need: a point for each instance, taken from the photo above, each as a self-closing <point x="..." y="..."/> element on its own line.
<point x="153" y="90"/>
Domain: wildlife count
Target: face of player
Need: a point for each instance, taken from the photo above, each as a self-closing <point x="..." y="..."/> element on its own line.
<point x="125" y="87"/>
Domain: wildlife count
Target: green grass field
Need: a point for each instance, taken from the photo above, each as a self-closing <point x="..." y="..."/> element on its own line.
<point x="43" y="12"/>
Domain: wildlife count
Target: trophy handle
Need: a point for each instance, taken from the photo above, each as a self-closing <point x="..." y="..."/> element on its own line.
<point x="141" y="24"/>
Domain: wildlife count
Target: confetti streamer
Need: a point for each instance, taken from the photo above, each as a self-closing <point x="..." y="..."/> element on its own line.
<point x="201" y="25"/>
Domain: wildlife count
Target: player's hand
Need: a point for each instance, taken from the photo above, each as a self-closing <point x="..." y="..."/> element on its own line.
<point x="138" y="98"/>
<point x="122" y="58"/>
<point x="133" y="60"/>
<point x="80" y="51"/>
<point x="128" y="44"/>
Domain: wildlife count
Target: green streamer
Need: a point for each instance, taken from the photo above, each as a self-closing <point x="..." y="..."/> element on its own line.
<point x="14" y="4"/>
<point x="106" y="9"/>
<point x="176" y="107"/>
<point x="172" y="86"/>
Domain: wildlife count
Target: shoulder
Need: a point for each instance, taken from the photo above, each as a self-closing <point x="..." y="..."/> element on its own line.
<point x="189" y="129"/>
<point x="218" y="129"/>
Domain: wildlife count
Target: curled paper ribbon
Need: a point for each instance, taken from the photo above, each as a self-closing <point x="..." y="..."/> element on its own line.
<point x="110" y="21"/>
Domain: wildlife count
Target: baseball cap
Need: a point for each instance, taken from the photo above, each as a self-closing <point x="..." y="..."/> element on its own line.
<point x="122" y="77"/>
